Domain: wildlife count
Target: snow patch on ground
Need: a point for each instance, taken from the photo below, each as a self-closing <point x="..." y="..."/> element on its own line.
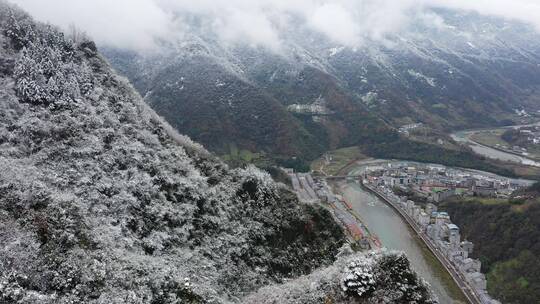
<point x="316" y="108"/>
<point x="335" y="50"/>
<point x="420" y="76"/>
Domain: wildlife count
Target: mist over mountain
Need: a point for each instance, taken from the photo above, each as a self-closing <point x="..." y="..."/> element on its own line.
<point x="140" y="24"/>
<point x="293" y="79"/>
<point x="103" y="201"/>
<point x="448" y="69"/>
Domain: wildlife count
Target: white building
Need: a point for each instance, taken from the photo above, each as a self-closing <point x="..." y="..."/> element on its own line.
<point x="453" y="235"/>
<point x="477" y="280"/>
<point x="467" y="246"/>
<point x="470" y="265"/>
<point x="423" y="219"/>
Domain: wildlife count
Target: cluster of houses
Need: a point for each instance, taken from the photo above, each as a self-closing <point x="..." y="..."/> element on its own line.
<point x="405" y="129"/>
<point x="526" y="135"/>
<point x="531" y="133"/>
<point x="304" y="186"/>
<point x="437" y="183"/>
<point x="444" y="237"/>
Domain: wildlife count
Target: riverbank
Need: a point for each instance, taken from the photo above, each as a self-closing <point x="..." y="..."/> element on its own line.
<point x="459" y="273"/>
<point x="448" y="266"/>
<point x="494" y="139"/>
<point x="395" y="234"/>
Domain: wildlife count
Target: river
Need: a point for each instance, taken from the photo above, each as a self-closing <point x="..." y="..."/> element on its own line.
<point x="395" y="234"/>
<point x="465" y="137"/>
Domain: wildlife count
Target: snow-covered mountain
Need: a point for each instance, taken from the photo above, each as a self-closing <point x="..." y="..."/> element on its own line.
<point x="447" y="69"/>
<point x="101" y="201"/>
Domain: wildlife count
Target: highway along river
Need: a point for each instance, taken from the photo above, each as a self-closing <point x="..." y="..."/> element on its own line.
<point x="395" y="234"/>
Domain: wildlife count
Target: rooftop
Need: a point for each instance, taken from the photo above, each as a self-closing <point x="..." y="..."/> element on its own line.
<point x="453" y="226"/>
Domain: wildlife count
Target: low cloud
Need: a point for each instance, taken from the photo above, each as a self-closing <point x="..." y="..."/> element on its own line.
<point x="136" y="24"/>
<point x="124" y="23"/>
<point x="520" y="10"/>
<point x="336" y="22"/>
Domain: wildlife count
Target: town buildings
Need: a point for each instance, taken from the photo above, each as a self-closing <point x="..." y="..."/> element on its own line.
<point x="434" y="183"/>
<point x="444" y="236"/>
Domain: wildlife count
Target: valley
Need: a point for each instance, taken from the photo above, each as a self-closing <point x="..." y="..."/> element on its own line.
<point x="290" y="107"/>
<point x="250" y="106"/>
<point x="102" y="201"/>
<point x="395" y="234"/>
<point x="269" y="152"/>
<point x="364" y="197"/>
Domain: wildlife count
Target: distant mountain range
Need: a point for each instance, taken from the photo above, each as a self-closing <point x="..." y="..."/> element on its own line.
<point x="463" y="71"/>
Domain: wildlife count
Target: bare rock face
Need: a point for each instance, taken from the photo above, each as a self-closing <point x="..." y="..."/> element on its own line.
<point x="102" y="202"/>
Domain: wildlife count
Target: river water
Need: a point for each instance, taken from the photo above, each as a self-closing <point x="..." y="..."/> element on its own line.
<point x="464" y="137"/>
<point x="395" y="234"/>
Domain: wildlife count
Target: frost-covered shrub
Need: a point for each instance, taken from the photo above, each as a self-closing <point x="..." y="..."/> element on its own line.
<point x="175" y="291"/>
<point x="256" y="185"/>
<point x="359" y="277"/>
<point x="46" y="76"/>
<point x="369" y="277"/>
<point x="400" y="282"/>
<point x="385" y="276"/>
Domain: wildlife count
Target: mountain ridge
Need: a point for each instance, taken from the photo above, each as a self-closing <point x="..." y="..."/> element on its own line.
<point x="448" y="70"/>
<point x="101" y="201"/>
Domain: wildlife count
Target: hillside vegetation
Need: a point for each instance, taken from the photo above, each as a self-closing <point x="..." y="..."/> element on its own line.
<point x="374" y="277"/>
<point x="315" y="95"/>
<point x="102" y="202"/>
<point x="505" y="234"/>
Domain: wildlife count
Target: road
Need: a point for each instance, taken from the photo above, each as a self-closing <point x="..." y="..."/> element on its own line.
<point x="341" y="176"/>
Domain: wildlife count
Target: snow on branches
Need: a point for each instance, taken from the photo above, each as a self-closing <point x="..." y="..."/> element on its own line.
<point x="101" y="202"/>
<point x="367" y="277"/>
<point x="48" y="70"/>
<point x="359" y="277"/>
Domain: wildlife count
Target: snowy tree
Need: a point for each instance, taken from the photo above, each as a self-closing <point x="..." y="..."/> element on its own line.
<point x="368" y="277"/>
<point x="359" y="278"/>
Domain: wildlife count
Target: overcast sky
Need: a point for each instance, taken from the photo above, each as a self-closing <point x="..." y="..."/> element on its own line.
<point x="135" y="23"/>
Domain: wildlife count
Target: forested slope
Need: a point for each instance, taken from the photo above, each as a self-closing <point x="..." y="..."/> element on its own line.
<point x="447" y="69"/>
<point x="101" y="202"/>
<point x="505" y="234"/>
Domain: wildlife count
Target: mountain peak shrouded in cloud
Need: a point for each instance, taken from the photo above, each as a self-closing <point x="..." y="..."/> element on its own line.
<point x="137" y="24"/>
